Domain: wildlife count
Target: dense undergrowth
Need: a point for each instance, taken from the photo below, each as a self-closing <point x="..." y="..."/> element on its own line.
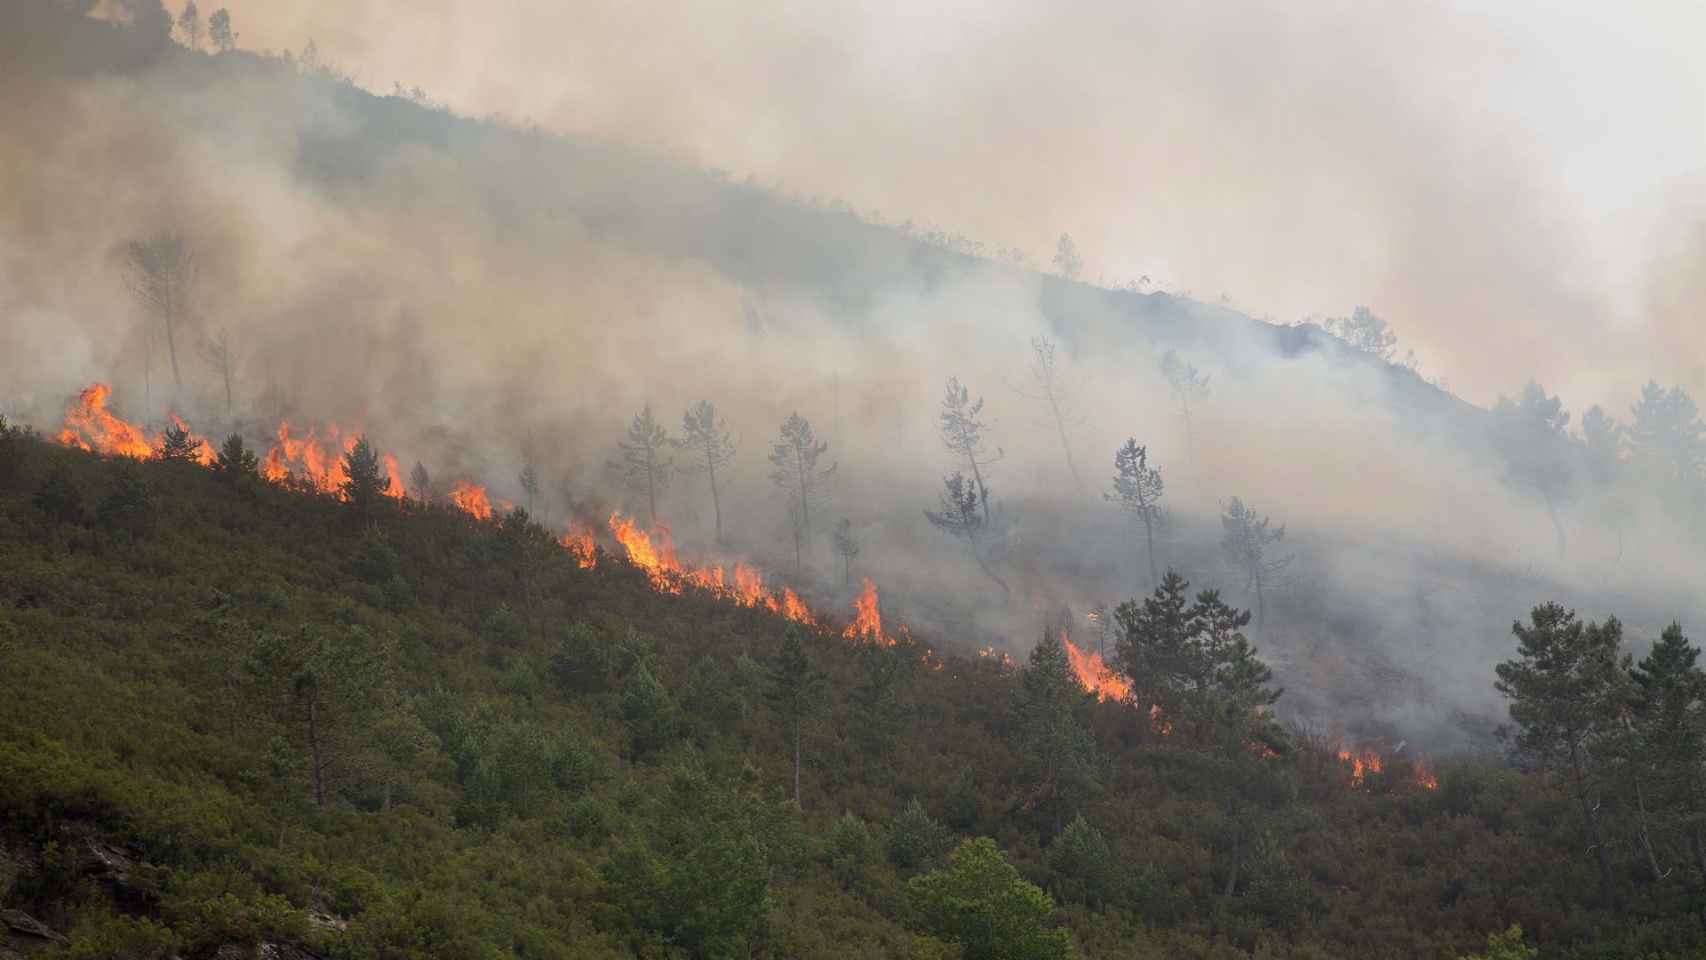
<point x="508" y="755"/>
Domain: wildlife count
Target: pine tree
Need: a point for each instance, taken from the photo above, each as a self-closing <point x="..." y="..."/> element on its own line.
<point x="1248" y="542"/>
<point x="1668" y="749"/>
<point x="647" y="464"/>
<point x="847" y="548"/>
<point x="219" y="31"/>
<point x="959" y="515"/>
<point x="366" y="479"/>
<point x="962" y="428"/>
<point x="420" y="484"/>
<point x="707" y="434"/>
<point x="1059" y="753"/>
<point x="1566" y="687"/>
<point x="1137" y="490"/>
<point x="796" y="691"/>
<point x="794" y="469"/>
<point x="235" y="461"/>
<point x="177" y="445"/>
<point x="59" y="497"/>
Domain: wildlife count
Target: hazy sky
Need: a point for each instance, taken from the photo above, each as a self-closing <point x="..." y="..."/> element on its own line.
<point x="1516" y="186"/>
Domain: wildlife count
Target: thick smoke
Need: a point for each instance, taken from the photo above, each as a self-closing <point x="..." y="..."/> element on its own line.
<point x="480" y="297"/>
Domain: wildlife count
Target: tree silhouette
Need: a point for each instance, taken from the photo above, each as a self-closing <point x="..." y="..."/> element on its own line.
<point x="794" y="469"/>
<point x="366" y="480"/>
<point x="963" y="514"/>
<point x="160" y="271"/>
<point x="1137" y="490"/>
<point x="1247" y="541"/>
<point x="707" y="434"/>
<point x="962" y="433"/>
<point x="647" y="464"/>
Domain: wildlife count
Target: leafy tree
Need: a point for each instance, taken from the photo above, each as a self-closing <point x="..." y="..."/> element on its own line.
<point x="917" y="839"/>
<point x="980" y="902"/>
<point x="1667" y="433"/>
<point x="962" y="428"/>
<point x="325" y="687"/>
<point x="529" y="481"/>
<point x="1057" y="750"/>
<point x="877" y="695"/>
<point x="129" y="506"/>
<point x="1045" y="372"/>
<point x="219" y="31"/>
<point x="1248" y="542"/>
<point x="707" y="434"/>
<point x="420" y="484"/>
<point x="1668" y="748"/>
<point x="1137" y="491"/>
<point x="647" y="464"/>
<point x="1365" y="332"/>
<point x="794" y="470"/>
<point x="1189" y="386"/>
<point x="178" y="445"/>
<point x="796" y="691"/>
<point x="189" y="24"/>
<point x="366" y="478"/>
<point x="1566" y="687"/>
<point x="12" y="440"/>
<point x="1067" y="262"/>
<point x="1086" y="867"/>
<point x="845" y="547"/>
<point x="959" y="516"/>
<point x="1603" y="442"/>
<point x="219" y="355"/>
<point x="160" y="271"/>
<point x="235" y="461"/>
<point x="648" y="710"/>
<point x="1505" y="945"/>
<point x="59" y="497"/>
<point x="1530" y="434"/>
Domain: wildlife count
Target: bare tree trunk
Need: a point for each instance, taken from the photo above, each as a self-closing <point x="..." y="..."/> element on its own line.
<point x="1065" y="447"/>
<point x="1149" y="535"/>
<point x="1261" y="605"/>
<point x="171" y="315"/>
<point x="1006" y="592"/>
<point x="1644" y="834"/>
<point x="652" y="488"/>
<point x="716" y="500"/>
<point x="1590" y="820"/>
<point x="805" y="505"/>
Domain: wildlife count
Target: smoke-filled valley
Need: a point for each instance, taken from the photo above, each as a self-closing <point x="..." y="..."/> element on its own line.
<point x="501" y="305"/>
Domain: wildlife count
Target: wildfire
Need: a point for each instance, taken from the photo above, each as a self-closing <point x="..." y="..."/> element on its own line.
<point x="471" y="499"/>
<point x="867" y="625"/>
<point x="1366" y="761"/>
<point x="90" y="426"/>
<point x="1093" y="674"/>
<point x="579" y="542"/>
<point x="1000" y="657"/>
<point x="655" y="555"/>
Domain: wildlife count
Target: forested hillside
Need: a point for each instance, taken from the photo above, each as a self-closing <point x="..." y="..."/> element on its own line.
<point x="235" y="714"/>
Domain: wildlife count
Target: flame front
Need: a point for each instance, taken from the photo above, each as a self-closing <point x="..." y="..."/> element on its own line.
<point x="655" y="555"/>
<point x="91" y="426"/>
<point x="867" y="625"/>
<point x="1094" y="674"/>
<point x="471" y="499"/>
<point x="579" y="543"/>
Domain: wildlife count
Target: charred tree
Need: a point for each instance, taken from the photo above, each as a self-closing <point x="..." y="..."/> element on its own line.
<point x="794" y="469"/>
<point x="1137" y="490"/>
<point x="706" y="433"/>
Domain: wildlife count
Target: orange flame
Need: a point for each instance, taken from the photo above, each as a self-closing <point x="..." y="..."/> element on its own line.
<point x="471" y="499"/>
<point x="1000" y="657"/>
<point x="867" y="625"/>
<point x="655" y="555"/>
<point x="1093" y="674"/>
<point x="1424" y="773"/>
<point x="579" y="542"/>
<point x="1362" y="763"/>
<point x="90" y="426"/>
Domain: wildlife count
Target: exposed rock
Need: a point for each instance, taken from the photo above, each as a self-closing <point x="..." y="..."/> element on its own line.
<point x="23" y="926"/>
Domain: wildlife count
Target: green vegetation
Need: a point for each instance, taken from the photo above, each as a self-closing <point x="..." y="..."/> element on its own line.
<point x="232" y="714"/>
